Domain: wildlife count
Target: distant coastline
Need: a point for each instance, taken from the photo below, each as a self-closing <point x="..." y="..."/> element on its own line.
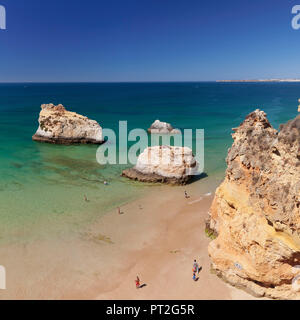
<point x="262" y="80"/>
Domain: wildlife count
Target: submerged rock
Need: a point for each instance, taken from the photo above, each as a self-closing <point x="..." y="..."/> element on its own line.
<point x="164" y="164"/>
<point x="159" y="127"/>
<point x="57" y="125"/>
<point x="256" y="210"/>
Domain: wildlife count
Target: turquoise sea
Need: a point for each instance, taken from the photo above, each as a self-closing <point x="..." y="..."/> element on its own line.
<point x="43" y="184"/>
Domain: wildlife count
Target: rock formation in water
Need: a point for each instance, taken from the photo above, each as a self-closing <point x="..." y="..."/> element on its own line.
<point x="57" y="125"/>
<point x="159" y="127"/>
<point x="256" y="210"/>
<point x="164" y="164"/>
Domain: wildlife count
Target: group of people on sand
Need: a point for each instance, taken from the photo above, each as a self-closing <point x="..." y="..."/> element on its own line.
<point x="196" y="271"/>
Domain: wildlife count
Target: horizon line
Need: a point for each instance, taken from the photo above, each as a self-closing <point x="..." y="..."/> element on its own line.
<point x="158" y="81"/>
<point x="154" y="81"/>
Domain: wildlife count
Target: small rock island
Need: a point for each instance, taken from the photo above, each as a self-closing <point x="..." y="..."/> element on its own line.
<point x="164" y="164"/>
<point x="59" y="126"/>
<point x="159" y="127"/>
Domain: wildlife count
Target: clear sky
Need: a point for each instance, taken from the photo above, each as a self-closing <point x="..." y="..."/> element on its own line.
<point x="148" y="40"/>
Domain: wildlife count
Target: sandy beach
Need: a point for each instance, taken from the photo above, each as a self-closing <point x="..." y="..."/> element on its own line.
<point x="140" y="137"/>
<point x="156" y="238"/>
<point x="168" y="234"/>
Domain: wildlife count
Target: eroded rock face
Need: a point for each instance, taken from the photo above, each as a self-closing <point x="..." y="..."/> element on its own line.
<point x="159" y="127"/>
<point x="164" y="164"/>
<point x="57" y="125"/>
<point x="256" y="210"/>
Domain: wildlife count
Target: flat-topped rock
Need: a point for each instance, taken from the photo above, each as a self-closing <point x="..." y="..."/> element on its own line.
<point x="59" y="126"/>
<point x="159" y="127"/>
<point x="164" y="164"/>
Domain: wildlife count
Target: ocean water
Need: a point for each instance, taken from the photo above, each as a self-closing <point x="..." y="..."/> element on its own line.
<point x="44" y="185"/>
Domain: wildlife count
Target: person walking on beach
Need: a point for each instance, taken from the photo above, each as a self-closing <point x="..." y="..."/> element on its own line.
<point x="195" y="267"/>
<point x="196" y="270"/>
<point x="137" y="282"/>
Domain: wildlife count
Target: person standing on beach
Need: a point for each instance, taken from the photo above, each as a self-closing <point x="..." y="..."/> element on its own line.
<point x="137" y="282"/>
<point x="195" y="267"/>
<point x="186" y="195"/>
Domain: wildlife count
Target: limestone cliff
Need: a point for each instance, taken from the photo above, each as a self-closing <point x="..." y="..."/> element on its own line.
<point x="256" y="210"/>
<point x="57" y="125"/>
<point x="164" y="164"/>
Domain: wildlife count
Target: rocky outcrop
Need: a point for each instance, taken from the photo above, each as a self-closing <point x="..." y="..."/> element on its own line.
<point x="164" y="164"/>
<point x="57" y="125"/>
<point x="159" y="127"/>
<point x="256" y="210"/>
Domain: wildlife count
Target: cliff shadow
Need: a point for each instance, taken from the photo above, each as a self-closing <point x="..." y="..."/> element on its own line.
<point x="198" y="177"/>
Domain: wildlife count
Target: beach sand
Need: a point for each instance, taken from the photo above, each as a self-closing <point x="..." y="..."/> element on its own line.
<point x="156" y="237"/>
<point x="166" y="236"/>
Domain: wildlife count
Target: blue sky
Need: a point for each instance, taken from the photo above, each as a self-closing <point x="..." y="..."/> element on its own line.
<point x="148" y="40"/>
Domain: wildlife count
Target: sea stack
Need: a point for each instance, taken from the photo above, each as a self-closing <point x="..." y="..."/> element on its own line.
<point x="159" y="127"/>
<point x="164" y="164"/>
<point x="59" y="126"/>
<point x="256" y="210"/>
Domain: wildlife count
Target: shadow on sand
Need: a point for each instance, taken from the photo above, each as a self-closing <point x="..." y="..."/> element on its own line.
<point x="198" y="177"/>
